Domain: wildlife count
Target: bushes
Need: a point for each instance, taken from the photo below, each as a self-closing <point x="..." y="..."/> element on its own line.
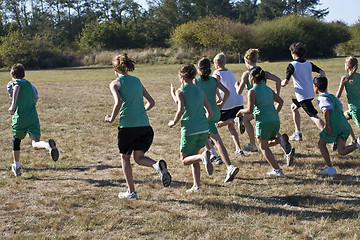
<point x="272" y="37"/>
<point x="33" y="52"/>
<point x="216" y="33"/>
<point x="351" y="47"/>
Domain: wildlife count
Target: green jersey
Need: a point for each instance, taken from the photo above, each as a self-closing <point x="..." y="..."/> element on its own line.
<point x="352" y="88"/>
<point x="209" y="87"/>
<point x="25" y="119"/>
<point x="264" y="109"/>
<point x="132" y="111"/>
<point x="193" y="120"/>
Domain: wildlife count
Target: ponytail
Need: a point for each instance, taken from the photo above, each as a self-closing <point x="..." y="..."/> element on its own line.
<point x="122" y="63"/>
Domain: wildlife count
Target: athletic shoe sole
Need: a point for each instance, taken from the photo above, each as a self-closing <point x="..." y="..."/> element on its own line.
<point x="207" y="163"/>
<point x="16" y="171"/>
<point x="290" y="157"/>
<point x="286" y="145"/>
<point x="164" y="173"/>
<point x="54" y="152"/>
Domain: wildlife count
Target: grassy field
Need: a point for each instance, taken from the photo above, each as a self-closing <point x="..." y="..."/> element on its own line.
<point x="76" y="197"/>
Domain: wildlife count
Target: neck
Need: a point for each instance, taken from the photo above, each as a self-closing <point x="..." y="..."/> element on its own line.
<point x="188" y="81"/>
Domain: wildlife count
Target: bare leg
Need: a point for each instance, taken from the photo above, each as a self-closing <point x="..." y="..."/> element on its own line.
<point x="352" y="135"/>
<point x="249" y="128"/>
<point x="324" y="152"/>
<point x="220" y="124"/>
<point x="269" y="156"/>
<point x="296" y="116"/>
<point x="319" y="122"/>
<point x="143" y="160"/>
<point x="193" y="160"/>
<point x="127" y="170"/>
<point x="195" y="169"/>
<point x="221" y="148"/>
<point x="16" y="155"/>
<point x="344" y="150"/>
<point x="234" y="134"/>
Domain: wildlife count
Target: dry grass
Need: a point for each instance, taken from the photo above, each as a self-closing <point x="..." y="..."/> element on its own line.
<point x="76" y="198"/>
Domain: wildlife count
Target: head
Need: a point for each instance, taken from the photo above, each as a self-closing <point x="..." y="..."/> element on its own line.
<point x="320" y="84"/>
<point x="17" y="71"/>
<point x="123" y="64"/>
<point x="187" y="72"/>
<point x="298" y="49"/>
<point x="257" y="76"/>
<point x="204" y="68"/>
<point x="220" y="60"/>
<point x="351" y="65"/>
<point x="251" y="56"/>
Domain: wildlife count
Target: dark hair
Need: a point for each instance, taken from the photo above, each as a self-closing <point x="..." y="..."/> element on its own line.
<point x="123" y="63"/>
<point x="187" y="71"/>
<point x="299" y="49"/>
<point x="17" y="71"/>
<point x="258" y="74"/>
<point x="321" y="83"/>
<point x="205" y="68"/>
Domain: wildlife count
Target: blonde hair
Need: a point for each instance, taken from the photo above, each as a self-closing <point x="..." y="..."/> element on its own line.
<point x="352" y="64"/>
<point x="252" y="55"/>
<point x="220" y="58"/>
<point x="122" y="63"/>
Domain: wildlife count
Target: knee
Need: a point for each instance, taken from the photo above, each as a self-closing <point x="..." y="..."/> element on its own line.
<point x="16" y="144"/>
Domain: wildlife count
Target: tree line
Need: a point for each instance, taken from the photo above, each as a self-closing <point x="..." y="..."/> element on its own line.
<point x="50" y="33"/>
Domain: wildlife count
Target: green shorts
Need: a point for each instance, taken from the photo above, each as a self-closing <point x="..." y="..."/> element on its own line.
<point x="336" y="135"/>
<point x="267" y="130"/>
<point x="21" y="133"/>
<point x="354" y="115"/>
<point x="189" y="143"/>
<point x="212" y="128"/>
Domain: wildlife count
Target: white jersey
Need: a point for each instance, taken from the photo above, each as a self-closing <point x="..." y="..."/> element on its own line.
<point x="303" y="81"/>
<point x="228" y="79"/>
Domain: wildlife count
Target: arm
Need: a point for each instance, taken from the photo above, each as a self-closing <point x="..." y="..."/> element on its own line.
<point x="172" y="91"/>
<point x="240" y="86"/>
<point x="277" y="80"/>
<point x="179" y="95"/>
<point x="226" y="92"/>
<point x="12" y="108"/>
<point x="251" y="103"/>
<point x="208" y="108"/>
<point x="150" y="101"/>
<point x="279" y="100"/>
<point x="289" y="72"/>
<point x="327" y="123"/>
<point x="322" y="73"/>
<point x="114" y="88"/>
<point x="341" y="87"/>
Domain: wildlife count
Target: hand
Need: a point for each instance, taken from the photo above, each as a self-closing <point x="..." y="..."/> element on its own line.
<point x="108" y="119"/>
<point x="284" y="82"/>
<point x="11" y="110"/>
<point x="328" y="130"/>
<point x="220" y="104"/>
<point x="239" y="113"/>
<point x="171" y="123"/>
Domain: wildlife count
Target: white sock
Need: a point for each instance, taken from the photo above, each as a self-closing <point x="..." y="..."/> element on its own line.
<point x="213" y="152"/>
<point x="297" y="132"/>
<point x="48" y="147"/>
<point x="17" y="164"/>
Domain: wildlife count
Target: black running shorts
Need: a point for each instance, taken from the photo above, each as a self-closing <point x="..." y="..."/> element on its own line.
<point x="135" y="138"/>
<point x="307" y="106"/>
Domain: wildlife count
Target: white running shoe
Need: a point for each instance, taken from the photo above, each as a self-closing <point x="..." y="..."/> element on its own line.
<point x="16" y="171"/>
<point x="217" y="160"/>
<point x="275" y="172"/>
<point x="230" y="173"/>
<point x="296" y="137"/>
<point x="284" y="142"/>
<point x="239" y="152"/>
<point x="328" y="171"/>
<point x="128" y="194"/>
<point x="240" y="124"/>
<point x="205" y="157"/>
<point x="194" y="190"/>
<point x="357" y="142"/>
<point x="163" y="173"/>
<point x="249" y="148"/>
<point x="54" y="152"/>
<point x="290" y="157"/>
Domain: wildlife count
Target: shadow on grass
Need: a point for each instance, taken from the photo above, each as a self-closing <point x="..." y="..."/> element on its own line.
<point x="305" y="203"/>
<point x="347" y="180"/>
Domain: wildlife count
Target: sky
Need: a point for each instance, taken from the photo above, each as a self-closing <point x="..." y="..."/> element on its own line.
<point x="347" y="11"/>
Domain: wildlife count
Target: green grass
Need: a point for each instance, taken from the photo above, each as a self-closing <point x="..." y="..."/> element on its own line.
<point x="76" y="197"/>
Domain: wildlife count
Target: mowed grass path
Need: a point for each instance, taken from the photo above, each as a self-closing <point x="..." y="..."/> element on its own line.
<point x="76" y="197"/>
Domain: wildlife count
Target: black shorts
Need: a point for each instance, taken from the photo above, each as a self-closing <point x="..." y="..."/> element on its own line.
<point x="307" y="106"/>
<point x="230" y="113"/>
<point x="134" y="138"/>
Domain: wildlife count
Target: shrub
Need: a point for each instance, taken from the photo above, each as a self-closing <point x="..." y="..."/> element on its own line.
<point x="351" y="47"/>
<point x="274" y="37"/>
<point x="213" y="33"/>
